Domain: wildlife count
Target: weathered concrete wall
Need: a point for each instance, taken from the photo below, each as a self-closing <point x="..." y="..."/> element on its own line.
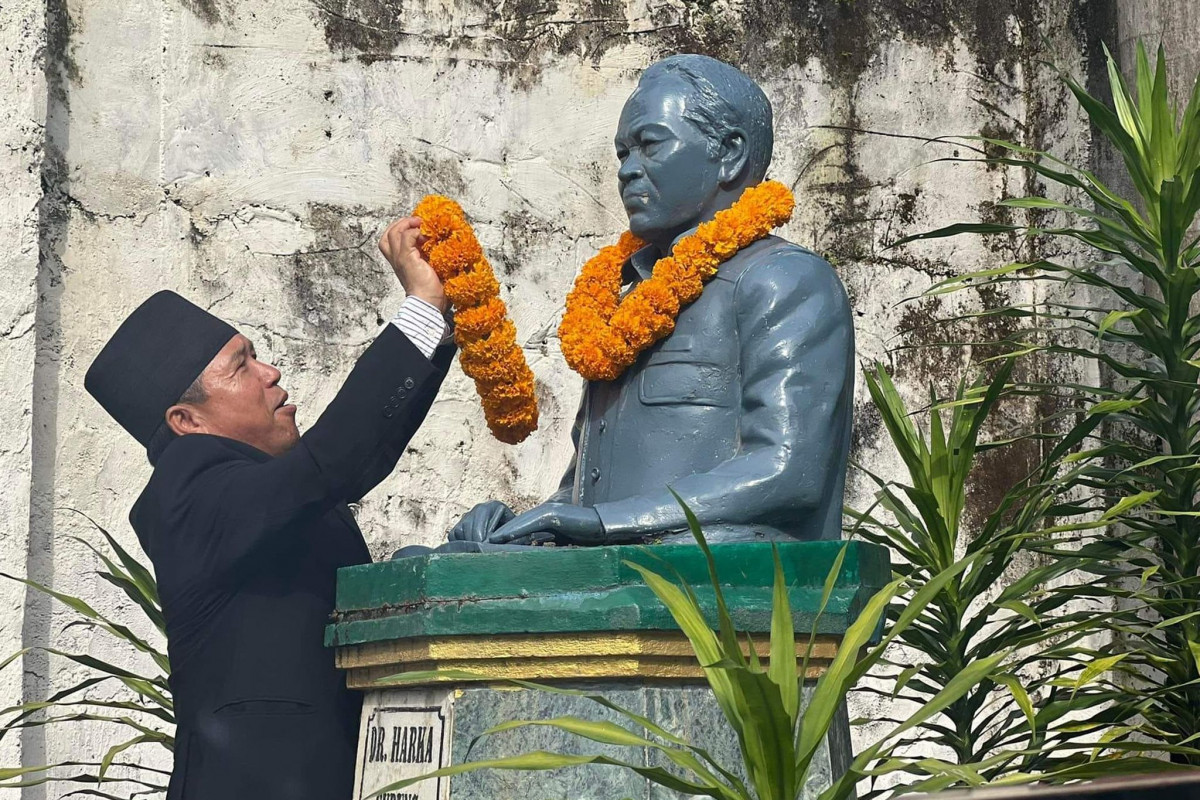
<point x="247" y="155"/>
<point x="1173" y="23"/>
<point x="22" y="137"/>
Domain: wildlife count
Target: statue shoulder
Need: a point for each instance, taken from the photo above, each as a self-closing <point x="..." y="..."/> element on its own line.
<point x="783" y="269"/>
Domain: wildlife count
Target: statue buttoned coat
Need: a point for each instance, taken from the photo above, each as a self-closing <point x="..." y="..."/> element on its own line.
<point x="744" y="410"/>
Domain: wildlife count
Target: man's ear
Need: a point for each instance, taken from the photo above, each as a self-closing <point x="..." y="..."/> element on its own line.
<point x="183" y="419"/>
<point x="735" y="155"/>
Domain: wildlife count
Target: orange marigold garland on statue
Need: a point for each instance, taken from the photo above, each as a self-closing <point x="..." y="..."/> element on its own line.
<point x="489" y="353"/>
<point x="602" y="334"/>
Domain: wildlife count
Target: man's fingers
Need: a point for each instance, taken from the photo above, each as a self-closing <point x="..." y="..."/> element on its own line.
<point x="407" y="238"/>
<point x="390" y="240"/>
<point x="395" y="236"/>
<point x="403" y="224"/>
<point x="501" y="537"/>
<point x="385" y="240"/>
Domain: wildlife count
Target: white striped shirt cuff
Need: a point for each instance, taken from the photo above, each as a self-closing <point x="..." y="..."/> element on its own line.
<point x="423" y="324"/>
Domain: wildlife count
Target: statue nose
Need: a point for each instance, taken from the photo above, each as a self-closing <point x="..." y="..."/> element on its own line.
<point x="630" y="170"/>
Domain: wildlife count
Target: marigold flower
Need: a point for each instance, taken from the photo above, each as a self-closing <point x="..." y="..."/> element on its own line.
<point x="601" y="334"/>
<point x="457" y="254"/>
<point x="488" y="339"/>
<point x="473" y="288"/>
<point x="472" y="323"/>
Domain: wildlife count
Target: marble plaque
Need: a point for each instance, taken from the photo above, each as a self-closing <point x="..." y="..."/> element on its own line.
<point x="404" y="733"/>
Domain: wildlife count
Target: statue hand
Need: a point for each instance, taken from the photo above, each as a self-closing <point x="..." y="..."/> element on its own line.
<point x="569" y="523"/>
<point x="482" y="520"/>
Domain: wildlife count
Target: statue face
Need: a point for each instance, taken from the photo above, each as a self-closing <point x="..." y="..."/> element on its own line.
<point x="668" y="178"/>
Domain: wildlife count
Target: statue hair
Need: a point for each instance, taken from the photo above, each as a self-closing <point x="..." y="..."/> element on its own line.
<point x="723" y="98"/>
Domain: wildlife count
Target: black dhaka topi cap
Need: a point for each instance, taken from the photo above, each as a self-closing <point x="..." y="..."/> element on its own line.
<point x="152" y="359"/>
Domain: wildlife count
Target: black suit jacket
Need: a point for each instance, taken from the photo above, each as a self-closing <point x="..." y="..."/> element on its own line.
<point x="246" y="548"/>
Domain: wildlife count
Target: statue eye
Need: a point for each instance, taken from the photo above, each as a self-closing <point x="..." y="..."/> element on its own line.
<point x="622" y="154"/>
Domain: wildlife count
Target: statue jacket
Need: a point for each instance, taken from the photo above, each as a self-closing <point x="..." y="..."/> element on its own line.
<point x="744" y="410"/>
<point x="245" y="549"/>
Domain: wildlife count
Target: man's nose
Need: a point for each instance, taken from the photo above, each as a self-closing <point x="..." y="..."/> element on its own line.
<point x="271" y="374"/>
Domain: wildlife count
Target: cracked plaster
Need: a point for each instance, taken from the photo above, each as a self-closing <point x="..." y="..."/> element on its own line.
<point x="246" y="155"/>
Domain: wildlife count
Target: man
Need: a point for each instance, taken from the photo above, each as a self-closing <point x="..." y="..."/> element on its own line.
<point x="246" y="523"/>
<point x="745" y="409"/>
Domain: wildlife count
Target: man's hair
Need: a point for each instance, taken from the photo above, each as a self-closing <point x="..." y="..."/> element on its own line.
<point x="723" y="98"/>
<point x="193" y="395"/>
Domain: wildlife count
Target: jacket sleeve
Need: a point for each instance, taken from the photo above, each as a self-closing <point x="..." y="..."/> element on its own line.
<point x="796" y="344"/>
<point x="221" y="506"/>
<point x="389" y="453"/>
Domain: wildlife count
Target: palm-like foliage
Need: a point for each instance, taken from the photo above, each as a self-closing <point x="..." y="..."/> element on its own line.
<point x="145" y="714"/>
<point x="1142" y="328"/>
<point x="778" y="737"/>
<point x="1030" y="713"/>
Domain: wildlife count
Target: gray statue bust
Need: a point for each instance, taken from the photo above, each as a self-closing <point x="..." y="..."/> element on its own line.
<point x="745" y="409"/>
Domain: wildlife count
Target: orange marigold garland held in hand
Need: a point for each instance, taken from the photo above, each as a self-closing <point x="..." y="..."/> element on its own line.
<point x="602" y="334"/>
<point x="487" y="338"/>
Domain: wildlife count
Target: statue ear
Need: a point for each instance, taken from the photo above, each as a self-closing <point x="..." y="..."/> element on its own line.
<point x="735" y="155"/>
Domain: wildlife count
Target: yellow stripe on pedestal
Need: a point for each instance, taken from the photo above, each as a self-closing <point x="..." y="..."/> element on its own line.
<point x="586" y="656"/>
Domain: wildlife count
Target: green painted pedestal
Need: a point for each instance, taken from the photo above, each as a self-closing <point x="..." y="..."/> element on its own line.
<point x="579" y="618"/>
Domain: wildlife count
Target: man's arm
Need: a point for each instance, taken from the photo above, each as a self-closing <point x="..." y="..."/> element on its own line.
<point x="374" y="473"/>
<point x="797" y="344"/>
<point x="426" y="327"/>
<point x="246" y="502"/>
<point x="236" y="506"/>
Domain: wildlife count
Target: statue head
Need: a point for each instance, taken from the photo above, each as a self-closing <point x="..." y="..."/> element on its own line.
<point x="692" y="136"/>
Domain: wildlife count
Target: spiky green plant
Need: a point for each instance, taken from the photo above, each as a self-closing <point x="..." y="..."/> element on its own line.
<point x="1040" y="710"/>
<point x="1138" y="323"/>
<point x="778" y="738"/>
<point x="145" y="712"/>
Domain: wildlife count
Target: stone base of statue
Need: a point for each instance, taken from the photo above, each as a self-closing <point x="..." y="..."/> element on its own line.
<point x="576" y="618"/>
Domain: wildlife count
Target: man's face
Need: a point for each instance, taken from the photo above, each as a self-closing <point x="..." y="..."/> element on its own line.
<point x="245" y="402"/>
<point x="668" y="176"/>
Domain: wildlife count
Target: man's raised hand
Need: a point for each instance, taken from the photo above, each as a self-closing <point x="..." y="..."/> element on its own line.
<point x="400" y="246"/>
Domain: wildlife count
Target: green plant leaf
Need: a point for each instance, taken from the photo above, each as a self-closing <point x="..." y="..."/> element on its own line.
<point x="1114" y="406"/>
<point x="1126" y="504"/>
<point x="1020" y="696"/>
<point x="1098" y="667"/>
<point x="1113" y="317"/>
<point x="782" y="669"/>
